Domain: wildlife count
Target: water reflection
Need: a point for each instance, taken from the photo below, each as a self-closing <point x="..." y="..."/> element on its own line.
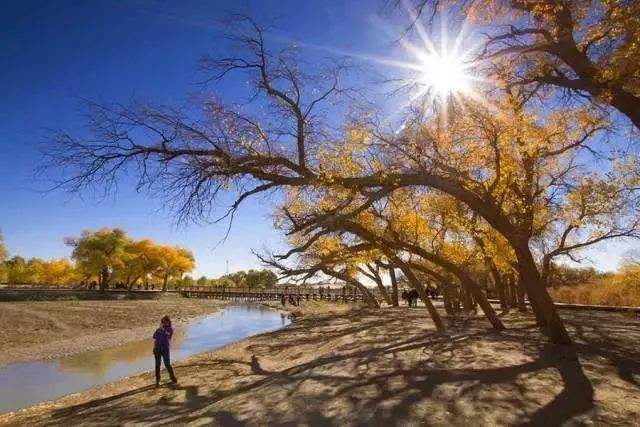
<point x="97" y="363"/>
<point x="24" y="384"/>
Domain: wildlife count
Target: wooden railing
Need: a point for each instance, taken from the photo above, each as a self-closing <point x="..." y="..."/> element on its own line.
<point x="344" y="294"/>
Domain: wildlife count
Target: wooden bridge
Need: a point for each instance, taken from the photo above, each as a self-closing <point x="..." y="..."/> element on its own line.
<point x="344" y="294"/>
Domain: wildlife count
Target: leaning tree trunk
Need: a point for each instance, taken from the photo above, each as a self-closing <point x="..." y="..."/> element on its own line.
<point x="394" y="287"/>
<point x="541" y="302"/>
<point x="467" y="301"/>
<point x="447" y="299"/>
<point x="383" y="292"/>
<point x="422" y="293"/>
<point x="132" y="283"/>
<point x="499" y="284"/>
<point x="165" y="282"/>
<point x="368" y="297"/>
<point x="479" y="296"/>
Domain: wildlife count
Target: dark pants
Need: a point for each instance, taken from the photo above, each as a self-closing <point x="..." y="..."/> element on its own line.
<point x="164" y="355"/>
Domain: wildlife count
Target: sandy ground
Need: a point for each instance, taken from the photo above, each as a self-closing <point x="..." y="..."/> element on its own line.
<point x="384" y="367"/>
<point x="312" y="308"/>
<point x="51" y="329"/>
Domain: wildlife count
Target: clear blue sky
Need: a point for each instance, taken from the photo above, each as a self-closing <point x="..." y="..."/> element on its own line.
<point x="53" y="53"/>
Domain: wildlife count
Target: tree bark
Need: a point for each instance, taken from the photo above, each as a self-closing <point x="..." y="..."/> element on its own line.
<point x="522" y="305"/>
<point x="510" y="293"/>
<point x="498" y="283"/>
<point x="383" y="292"/>
<point x="447" y="299"/>
<point x="374" y="275"/>
<point x="467" y="301"/>
<point x="542" y="304"/>
<point x="502" y="295"/>
<point x="369" y="299"/>
<point x="394" y="287"/>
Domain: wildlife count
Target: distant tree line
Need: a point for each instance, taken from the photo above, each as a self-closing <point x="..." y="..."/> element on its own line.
<point x="251" y="279"/>
<point x="104" y="258"/>
<point x="110" y="258"/>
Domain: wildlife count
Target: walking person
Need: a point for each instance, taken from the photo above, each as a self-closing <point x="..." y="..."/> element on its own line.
<point x="413" y="298"/>
<point x="405" y="296"/>
<point x="162" y="340"/>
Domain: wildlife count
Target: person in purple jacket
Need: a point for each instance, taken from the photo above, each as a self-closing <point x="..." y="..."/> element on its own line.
<point x="162" y="338"/>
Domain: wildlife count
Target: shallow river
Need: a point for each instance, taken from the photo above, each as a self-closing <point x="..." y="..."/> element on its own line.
<point x="25" y="384"/>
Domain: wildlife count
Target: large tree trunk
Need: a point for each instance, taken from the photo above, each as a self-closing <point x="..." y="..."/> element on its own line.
<point x="394" y="287"/>
<point x="165" y="282"/>
<point x="541" y="302"/>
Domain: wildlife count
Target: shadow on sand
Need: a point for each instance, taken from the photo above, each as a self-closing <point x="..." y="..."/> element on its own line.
<point x="364" y="368"/>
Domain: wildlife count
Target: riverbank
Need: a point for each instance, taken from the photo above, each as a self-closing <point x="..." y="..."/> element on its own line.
<point x="36" y="330"/>
<point x="384" y="367"/>
<point x="312" y="308"/>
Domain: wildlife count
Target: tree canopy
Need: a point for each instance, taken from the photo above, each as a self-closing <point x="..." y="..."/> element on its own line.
<point x="109" y="257"/>
<point x="498" y="185"/>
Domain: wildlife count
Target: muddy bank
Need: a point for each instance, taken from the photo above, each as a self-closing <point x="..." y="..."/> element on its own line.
<point x="39" y="330"/>
<point x="384" y="367"/>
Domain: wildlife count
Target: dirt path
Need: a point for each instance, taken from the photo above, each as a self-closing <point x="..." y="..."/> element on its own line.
<point x="384" y="367"/>
<point x="51" y="329"/>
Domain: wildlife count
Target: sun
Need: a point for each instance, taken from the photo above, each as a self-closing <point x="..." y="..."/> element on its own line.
<point x="440" y="70"/>
<point x="433" y="72"/>
<point x="445" y="74"/>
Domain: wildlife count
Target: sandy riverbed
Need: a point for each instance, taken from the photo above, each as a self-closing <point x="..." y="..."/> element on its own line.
<point x="51" y="329"/>
<point x="384" y="367"/>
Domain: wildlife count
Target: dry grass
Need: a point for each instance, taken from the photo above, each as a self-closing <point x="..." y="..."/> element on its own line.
<point x="621" y="289"/>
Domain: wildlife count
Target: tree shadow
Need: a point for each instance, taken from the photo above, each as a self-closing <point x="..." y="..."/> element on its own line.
<point x="394" y="370"/>
<point x="77" y="409"/>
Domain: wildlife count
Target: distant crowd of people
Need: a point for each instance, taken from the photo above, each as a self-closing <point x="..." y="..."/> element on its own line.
<point x="93" y="285"/>
<point x="293" y="300"/>
<point x="411" y="296"/>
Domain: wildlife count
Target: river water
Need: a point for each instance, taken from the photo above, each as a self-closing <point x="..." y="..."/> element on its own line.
<point x="25" y="384"/>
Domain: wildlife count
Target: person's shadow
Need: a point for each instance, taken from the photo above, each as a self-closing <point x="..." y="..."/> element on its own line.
<point x="92" y="404"/>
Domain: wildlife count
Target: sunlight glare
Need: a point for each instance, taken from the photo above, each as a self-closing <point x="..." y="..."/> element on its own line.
<point x="445" y="74"/>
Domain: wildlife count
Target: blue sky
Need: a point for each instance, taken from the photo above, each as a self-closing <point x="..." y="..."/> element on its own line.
<point x="54" y="53"/>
